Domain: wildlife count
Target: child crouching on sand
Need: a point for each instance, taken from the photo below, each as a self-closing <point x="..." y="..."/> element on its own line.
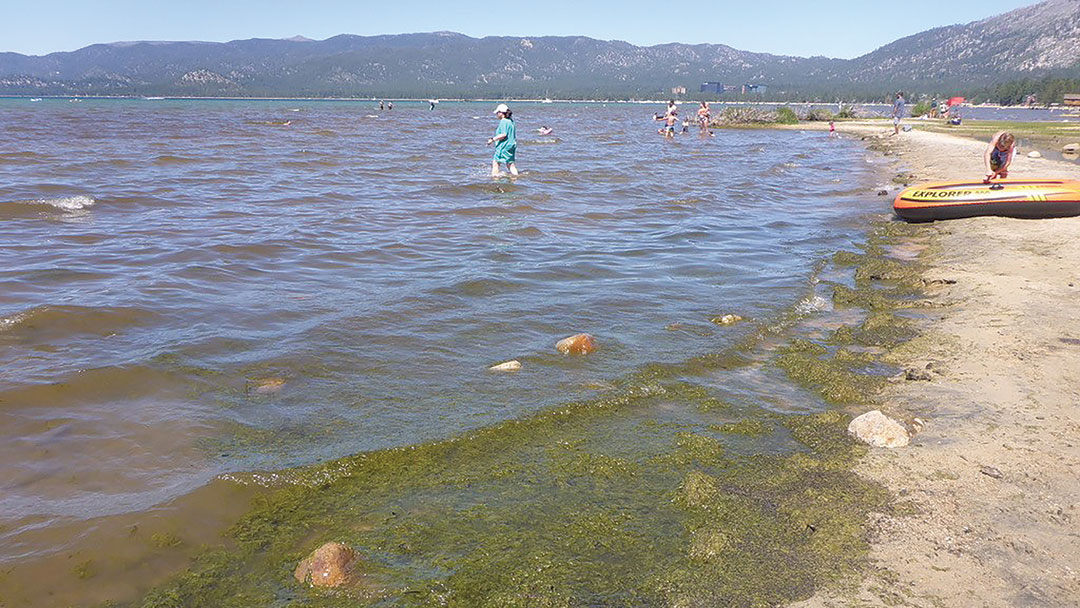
<point x="505" y="141"/>
<point x="999" y="155"/>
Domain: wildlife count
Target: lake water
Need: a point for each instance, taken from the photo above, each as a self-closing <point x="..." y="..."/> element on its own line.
<point x="195" y="288"/>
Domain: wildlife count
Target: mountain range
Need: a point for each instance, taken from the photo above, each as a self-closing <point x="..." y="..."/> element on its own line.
<point x="1033" y="41"/>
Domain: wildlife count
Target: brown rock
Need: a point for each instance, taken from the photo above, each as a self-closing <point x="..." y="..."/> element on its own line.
<point x="580" y="344"/>
<point x="726" y="319"/>
<point x="268" y="386"/>
<point x="330" y="565"/>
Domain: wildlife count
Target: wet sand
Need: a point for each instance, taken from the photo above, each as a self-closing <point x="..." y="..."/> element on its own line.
<point x="990" y="483"/>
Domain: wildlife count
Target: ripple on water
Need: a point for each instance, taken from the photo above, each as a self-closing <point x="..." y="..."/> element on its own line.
<point x="23" y="208"/>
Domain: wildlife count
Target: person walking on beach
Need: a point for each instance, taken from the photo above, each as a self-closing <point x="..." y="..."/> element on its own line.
<point x="897" y="113"/>
<point x="505" y="140"/>
<point x="999" y="155"/>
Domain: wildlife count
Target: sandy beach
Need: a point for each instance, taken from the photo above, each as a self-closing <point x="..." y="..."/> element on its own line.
<point x="990" y="481"/>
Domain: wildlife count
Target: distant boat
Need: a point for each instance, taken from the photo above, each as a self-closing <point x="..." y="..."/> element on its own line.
<point x="547" y="100"/>
<point x="153" y="98"/>
<point x="36" y="99"/>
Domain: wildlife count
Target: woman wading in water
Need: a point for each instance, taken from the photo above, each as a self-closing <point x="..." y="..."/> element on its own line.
<point x="505" y="141"/>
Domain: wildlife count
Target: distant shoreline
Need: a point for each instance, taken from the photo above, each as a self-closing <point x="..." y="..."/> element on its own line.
<point x="491" y="100"/>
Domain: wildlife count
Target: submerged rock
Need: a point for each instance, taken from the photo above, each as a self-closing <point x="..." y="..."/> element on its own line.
<point x="509" y="366"/>
<point x="726" y="319"/>
<point x="579" y="344"/>
<point x="878" y="430"/>
<point x="331" y="565"/>
<point x="268" y="386"/>
<point x="1034" y="154"/>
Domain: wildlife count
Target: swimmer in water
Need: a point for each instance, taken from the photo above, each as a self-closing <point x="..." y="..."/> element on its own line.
<point x="545" y="130"/>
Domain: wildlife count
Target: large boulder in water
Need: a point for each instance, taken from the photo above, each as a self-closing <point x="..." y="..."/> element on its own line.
<point x="578" y="344"/>
<point x="331" y="565"/>
<point x="879" y="430"/>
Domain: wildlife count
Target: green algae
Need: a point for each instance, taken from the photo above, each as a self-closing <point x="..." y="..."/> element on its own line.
<point x="85" y="569"/>
<point x="164" y="540"/>
<point x="601" y="502"/>
<point x="840" y="378"/>
<point x="844" y="368"/>
<point x="749" y="427"/>
<point x="539" y="512"/>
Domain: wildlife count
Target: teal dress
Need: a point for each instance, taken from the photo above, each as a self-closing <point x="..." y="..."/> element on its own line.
<point x="506" y="149"/>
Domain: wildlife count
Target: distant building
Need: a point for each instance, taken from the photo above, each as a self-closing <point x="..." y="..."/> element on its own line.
<point x="720" y="88"/>
<point x="1072" y="99"/>
<point x="678" y="90"/>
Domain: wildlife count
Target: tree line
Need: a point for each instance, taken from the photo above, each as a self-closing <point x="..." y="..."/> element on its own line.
<point x="1048" y="89"/>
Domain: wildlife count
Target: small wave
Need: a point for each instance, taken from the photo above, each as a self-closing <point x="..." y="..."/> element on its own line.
<point x="68" y="204"/>
<point x="169" y="159"/>
<point x="483" y="211"/>
<point x="530" y="231"/>
<point x="60" y="322"/>
<point x="19" y="156"/>
<point x="13" y="320"/>
<point x="811" y="305"/>
<point x="472" y="288"/>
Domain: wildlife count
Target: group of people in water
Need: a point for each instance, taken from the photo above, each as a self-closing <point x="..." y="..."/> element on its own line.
<point x="505" y="138"/>
<point x="671" y="120"/>
<point x="998" y="156"/>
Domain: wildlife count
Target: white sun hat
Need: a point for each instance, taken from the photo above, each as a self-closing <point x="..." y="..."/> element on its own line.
<point x="502" y="107"/>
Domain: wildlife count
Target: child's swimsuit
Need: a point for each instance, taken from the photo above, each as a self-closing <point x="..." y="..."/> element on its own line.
<point x="998" y="158"/>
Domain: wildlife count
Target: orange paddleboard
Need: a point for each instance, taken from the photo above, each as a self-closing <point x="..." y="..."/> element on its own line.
<point x="1022" y="198"/>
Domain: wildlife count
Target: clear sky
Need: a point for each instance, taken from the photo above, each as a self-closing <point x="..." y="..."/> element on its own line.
<point x="783" y="27"/>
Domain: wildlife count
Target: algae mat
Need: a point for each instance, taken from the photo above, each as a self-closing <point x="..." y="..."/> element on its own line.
<point x="658" y="493"/>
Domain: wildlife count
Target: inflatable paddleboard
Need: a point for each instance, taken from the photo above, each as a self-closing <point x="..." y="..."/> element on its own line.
<point x="1021" y="198"/>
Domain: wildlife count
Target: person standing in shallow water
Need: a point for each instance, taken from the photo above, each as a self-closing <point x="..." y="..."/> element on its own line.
<point x="703" y="116"/>
<point x="505" y="140"/>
